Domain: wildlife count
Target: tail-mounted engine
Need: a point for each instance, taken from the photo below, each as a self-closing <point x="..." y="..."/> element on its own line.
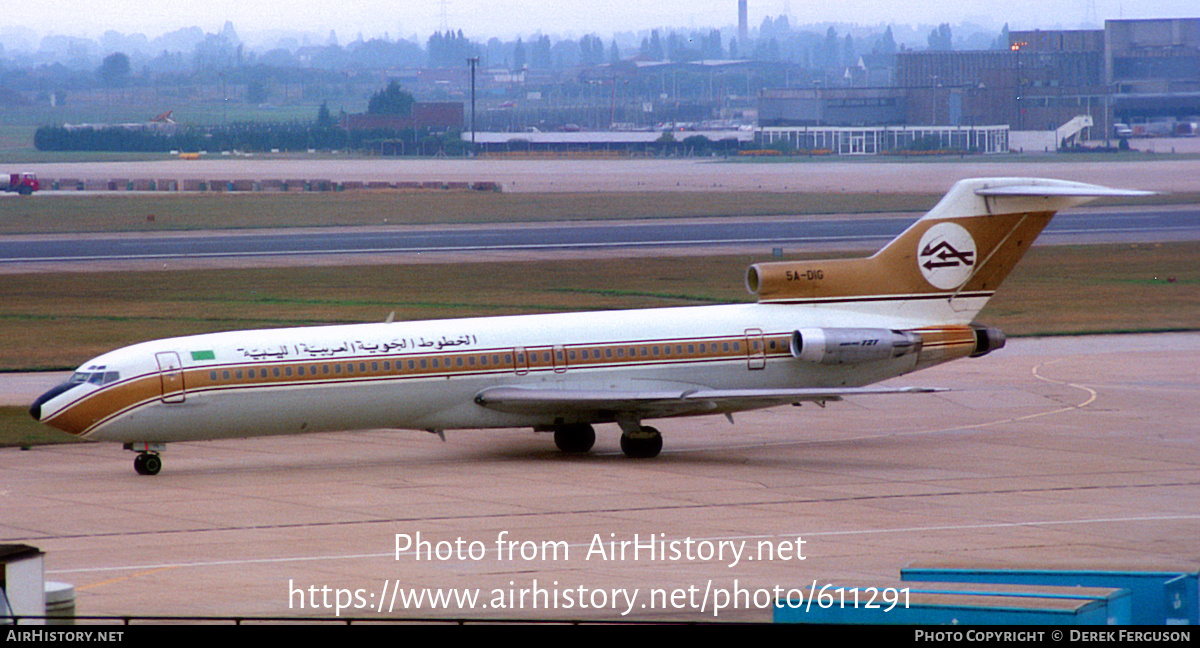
<point x="987" y="339"/>
<point x="852" y="345"/>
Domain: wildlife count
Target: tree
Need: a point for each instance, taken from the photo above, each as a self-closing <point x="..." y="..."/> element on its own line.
<point x="1001" y="42"/>
<point x="324" y="118"/>
<point x="940" y="39"/>
<point x="390" y="101"/>
<point x="114" y="71"/>
<point x="832" y="49"/>
<point x="886" y="44"/>
<point x="256" y="92"/>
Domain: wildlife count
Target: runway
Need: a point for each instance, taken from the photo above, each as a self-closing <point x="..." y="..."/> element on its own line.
<point x="1076" y="451"/>
<point x="1146" y="224"/>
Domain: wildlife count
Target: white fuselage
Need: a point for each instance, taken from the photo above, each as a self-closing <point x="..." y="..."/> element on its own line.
<point x="426" y="374"/>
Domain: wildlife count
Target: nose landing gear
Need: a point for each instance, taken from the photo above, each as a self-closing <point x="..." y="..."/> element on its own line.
<point x="147" y="462"/>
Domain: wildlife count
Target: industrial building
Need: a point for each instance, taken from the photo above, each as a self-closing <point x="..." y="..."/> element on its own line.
<point x="1048" y="89"/>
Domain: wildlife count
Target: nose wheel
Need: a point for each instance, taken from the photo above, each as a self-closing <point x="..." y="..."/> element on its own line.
<point x="147" y="463"/>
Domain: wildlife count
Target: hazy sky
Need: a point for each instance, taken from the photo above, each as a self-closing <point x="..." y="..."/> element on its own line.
<point x="484" y="18"/>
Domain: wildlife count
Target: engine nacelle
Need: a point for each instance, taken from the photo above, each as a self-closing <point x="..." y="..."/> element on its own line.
<point x="852" y="345"/>
<point x="987" y="339"/>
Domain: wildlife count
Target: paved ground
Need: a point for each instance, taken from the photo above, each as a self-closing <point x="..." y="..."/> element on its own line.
<point x="1052" y="451"/>
<point x="374" y="245"/>
<point x="859" y="175"/>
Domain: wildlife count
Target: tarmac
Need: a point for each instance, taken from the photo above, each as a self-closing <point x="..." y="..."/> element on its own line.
<point x="1153" y="173"/>
<point x="1069" y="451"/>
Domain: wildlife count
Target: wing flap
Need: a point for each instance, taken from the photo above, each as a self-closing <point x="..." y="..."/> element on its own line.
<point x="605" y="404"/>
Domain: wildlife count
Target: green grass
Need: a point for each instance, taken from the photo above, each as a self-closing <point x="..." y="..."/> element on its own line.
<point x="17" y="428"/>
<point x="57" y="321"/>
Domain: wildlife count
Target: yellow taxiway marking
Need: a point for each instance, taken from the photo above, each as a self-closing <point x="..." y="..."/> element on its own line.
<point x="125" y="578"/>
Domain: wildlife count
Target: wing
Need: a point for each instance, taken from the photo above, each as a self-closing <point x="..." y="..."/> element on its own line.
<point x="597" y="404"/>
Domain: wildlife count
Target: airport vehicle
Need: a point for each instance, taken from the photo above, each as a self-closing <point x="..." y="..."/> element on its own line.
<point x="820" y="331"/>
<point x="22" y="183"/>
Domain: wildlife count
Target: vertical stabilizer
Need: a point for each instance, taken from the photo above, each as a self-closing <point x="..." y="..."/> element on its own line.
<point x="956" y="255"/>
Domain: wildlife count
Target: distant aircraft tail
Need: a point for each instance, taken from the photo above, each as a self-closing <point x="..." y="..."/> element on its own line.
<point x="943" y="268"/>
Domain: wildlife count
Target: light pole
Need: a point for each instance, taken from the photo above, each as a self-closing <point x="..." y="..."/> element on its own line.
<point x="473" y="61"/>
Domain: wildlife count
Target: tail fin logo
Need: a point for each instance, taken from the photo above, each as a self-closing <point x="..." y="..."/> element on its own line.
<point x="946" y="255"/>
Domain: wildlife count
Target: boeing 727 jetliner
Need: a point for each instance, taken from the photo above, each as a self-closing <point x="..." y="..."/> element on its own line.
<point x="820" y="331"/>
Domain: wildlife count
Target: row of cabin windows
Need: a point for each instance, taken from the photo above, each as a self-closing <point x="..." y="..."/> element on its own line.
<point x="485" y="360"/>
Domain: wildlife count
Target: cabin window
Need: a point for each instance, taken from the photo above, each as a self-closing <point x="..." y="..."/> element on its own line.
<point x="621" y="353"/>
<point x="471" y="361"/>
<point x="772" y="344"/>
<point x="225" y="375"/>
<point x="585" y="354"/>
<point x="325" y="369"/>
<point x="483" y="360"/>
<point x="571" y="354"/>
<point x="424" y="363"/>
<point x="608" y="353"/>
<point x="725" y="347"/>
<point x="275" y="370"/>
<point x="238" y="374"/>
<point x="412" y="364"/>
<point x="737" y="346"/>
<point x="703" y="348"/>
<point x="387" y="365"/>
<point x="679" y="349"/>
<point x="691" y="348"/>
<point x="337" y="368"/>
<point x="287" y="371"/>
<point x="300" y="370"/>
<point x="458" y="361"/>
<point x="212" y="375"/>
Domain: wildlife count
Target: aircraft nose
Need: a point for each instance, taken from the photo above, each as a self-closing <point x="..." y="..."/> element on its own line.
<point x="35" y="410"/>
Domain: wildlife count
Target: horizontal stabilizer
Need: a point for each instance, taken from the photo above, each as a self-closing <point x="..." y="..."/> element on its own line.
<point x="1060" y="188"/>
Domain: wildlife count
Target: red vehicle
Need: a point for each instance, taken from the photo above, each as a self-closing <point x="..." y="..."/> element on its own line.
<point x="23" y="183"/>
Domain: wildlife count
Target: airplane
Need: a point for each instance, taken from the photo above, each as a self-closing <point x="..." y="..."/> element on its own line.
<point x="820" y="331"/>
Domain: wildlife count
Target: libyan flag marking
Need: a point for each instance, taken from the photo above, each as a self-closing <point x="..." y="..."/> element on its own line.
<point x="203" y="355"/>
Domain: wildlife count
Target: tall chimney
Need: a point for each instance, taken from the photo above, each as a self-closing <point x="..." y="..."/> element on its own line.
<point x="743" y="26"/>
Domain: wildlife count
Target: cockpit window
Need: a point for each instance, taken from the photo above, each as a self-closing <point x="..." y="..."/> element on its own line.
<point x="94" y="377"/>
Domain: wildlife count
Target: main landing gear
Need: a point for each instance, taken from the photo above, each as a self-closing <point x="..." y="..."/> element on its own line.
<point x="637" y="441"/>
<point x="644" y="442"/>
<point x="147" y="462"/>
<point x="575" y="439"/>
